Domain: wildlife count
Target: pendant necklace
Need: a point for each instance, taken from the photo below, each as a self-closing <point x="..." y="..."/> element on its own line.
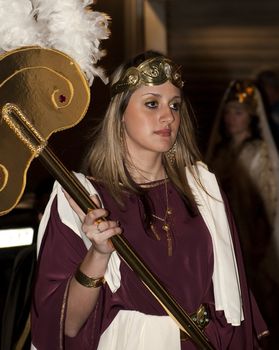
<point x="165" y="222"/>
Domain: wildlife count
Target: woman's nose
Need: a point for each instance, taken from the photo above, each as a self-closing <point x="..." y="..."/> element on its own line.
<point x="166" y="115"/>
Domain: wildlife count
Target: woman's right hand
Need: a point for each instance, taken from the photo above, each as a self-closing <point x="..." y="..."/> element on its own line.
<point x="82" y="300"/>
<point x="99" y="231"/>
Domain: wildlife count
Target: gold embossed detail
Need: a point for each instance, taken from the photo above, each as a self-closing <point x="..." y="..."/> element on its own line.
<point x="23" y="129"/>
<point x="201" y="318"/>
<point x="154" y="71"/>
<point x="4" y="175"/>
<point x="89" y="282"/>
<point x="263" y="334"/>
<point x="60" y="99"/>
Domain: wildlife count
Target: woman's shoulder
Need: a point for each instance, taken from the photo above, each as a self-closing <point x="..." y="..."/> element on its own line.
<point x="200" y="167"/>
<point x="255" y="145"/>
<point x="254" y="148"/>
<point x="97" y="184"/>
<point x="91" y="178"/>
<point x="200" y="174"/>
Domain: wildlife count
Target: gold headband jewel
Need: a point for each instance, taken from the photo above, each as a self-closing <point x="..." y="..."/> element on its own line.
<point x="154" y="71"/>
<point x="244" y="92"/>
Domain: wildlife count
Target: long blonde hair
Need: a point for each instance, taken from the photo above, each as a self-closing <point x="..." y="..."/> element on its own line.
<point x="107" y="156"/>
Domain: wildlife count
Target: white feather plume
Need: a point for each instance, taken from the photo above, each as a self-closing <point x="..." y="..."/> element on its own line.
<point x="17" y="25"/>
<point x="65" y="25"/>
<point x="75" y="30"/>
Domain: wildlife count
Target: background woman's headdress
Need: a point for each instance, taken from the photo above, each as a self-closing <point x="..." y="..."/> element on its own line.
<point x="243" y="91"/>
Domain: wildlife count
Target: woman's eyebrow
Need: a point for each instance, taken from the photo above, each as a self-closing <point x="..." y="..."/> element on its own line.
<point x="159" y="95"/>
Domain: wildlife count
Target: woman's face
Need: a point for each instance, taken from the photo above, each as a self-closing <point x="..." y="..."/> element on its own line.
<point x="151" y="119"/>
<point x="237" y="119"/>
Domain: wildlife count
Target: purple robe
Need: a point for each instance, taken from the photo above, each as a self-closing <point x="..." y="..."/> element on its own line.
<point x="187" y="275"/>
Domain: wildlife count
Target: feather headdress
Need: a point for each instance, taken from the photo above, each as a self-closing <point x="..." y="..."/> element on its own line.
<point x="66" y="25"/>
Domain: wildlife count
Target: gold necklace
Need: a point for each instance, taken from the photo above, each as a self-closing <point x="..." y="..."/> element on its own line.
<point x="166" y="222"/>
<point x="141" y="174"/>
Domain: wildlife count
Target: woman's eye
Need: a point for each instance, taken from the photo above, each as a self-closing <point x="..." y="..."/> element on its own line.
<point x="151" y="104"/>
<point x="175" y="106"/>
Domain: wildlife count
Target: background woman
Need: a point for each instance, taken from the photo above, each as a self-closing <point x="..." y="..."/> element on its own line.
<point x="243" y="156"/>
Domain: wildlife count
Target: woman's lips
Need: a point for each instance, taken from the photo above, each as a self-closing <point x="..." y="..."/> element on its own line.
<point x="163" y="132"/>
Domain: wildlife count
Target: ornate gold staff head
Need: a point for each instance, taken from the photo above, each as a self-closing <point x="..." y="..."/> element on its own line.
<point x="42" y="91"/>
<point x="50" y="61"/>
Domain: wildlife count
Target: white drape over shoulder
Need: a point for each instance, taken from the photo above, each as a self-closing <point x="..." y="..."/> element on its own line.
<point x="225" y="277"/>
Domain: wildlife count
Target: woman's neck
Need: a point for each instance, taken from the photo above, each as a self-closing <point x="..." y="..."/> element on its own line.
<point x="144" y="170"/>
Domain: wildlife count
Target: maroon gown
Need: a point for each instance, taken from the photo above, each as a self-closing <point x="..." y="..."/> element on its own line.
<point x="187" y="275"/>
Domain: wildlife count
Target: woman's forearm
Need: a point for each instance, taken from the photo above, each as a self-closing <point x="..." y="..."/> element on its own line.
<point x="81" y="299"/>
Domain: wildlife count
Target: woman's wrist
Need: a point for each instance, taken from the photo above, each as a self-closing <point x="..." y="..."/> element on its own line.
<point x="89" y="282"/>
<point x="94" y="263"/>
<point x="97" y="257"/>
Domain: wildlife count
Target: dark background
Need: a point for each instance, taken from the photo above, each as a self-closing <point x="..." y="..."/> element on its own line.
<point x="215" y="41"/>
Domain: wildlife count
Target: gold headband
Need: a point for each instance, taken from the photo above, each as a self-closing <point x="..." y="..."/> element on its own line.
<point x="154" y="71"/>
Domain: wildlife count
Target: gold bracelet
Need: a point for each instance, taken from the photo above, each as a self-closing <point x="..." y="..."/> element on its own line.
<point x="88" y="281"/>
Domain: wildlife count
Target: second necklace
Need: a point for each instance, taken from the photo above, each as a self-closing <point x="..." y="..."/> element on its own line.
<point x="165" y="222"/>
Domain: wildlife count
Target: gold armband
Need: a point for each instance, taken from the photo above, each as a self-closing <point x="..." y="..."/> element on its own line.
<point x="88" y="281"/>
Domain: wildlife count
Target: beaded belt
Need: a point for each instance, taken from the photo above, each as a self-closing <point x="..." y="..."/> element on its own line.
<point x="201" y="318"/>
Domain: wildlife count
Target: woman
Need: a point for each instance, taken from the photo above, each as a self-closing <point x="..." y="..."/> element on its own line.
<point x="238" y="147"/>
<point x="242" y="155"/>
<point x="144" y="171"/>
